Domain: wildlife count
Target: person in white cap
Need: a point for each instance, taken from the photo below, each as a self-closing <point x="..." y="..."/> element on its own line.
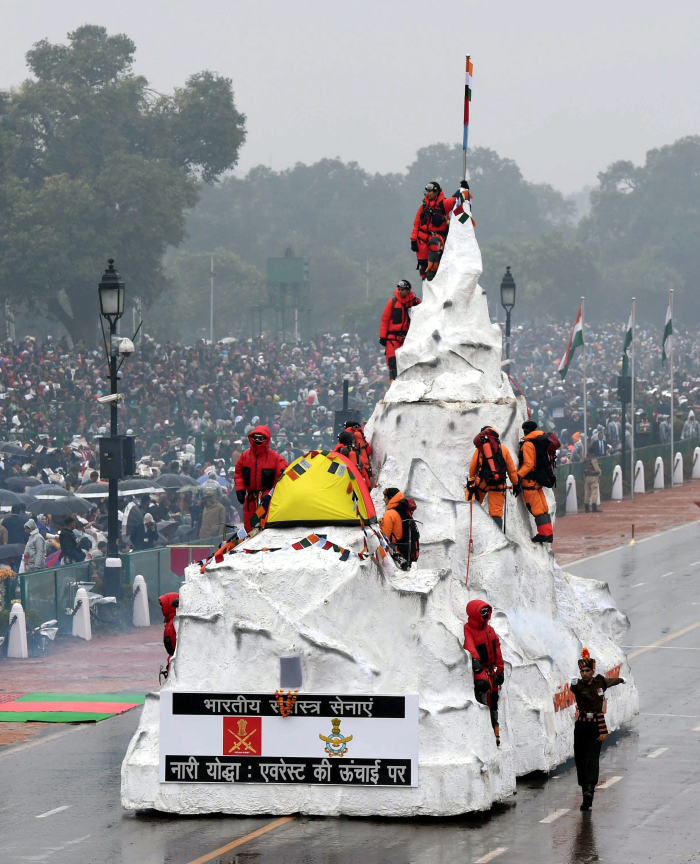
<point x="35" y="549"/>
<point x="691" y="427"/>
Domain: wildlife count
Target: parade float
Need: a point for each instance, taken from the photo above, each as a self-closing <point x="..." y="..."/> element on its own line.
<point x="312" y="675"/>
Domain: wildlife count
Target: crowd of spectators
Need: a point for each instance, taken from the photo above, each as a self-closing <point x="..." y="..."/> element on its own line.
<point x="558" y="404"/>
<point x="211" y="394"/>
<point x="191" y="408"/>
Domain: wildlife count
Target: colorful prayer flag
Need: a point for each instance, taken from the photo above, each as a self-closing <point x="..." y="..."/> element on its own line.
<point x="575" y="341"/>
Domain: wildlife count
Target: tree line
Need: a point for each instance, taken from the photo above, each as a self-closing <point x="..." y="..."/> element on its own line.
<point x="94" y="163"/>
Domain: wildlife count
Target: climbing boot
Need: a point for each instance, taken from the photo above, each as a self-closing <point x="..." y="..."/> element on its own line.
<point x="499" y="521"/>
<point x="587" y="798"/>
<point x="596" y="509"/>
<point x="587" y="508"/>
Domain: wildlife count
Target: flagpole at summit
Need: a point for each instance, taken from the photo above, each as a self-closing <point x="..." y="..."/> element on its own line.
<point x="467" y="102"/>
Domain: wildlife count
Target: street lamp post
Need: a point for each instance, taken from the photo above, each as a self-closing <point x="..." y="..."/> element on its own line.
<point x="112" y="292"/>
<point x="508" y="301"/>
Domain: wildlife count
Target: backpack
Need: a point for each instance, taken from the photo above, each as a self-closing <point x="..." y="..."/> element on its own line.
<point x="408" y="547"/>
<point x="546" y="446"/>
<point x="492" y="469"/>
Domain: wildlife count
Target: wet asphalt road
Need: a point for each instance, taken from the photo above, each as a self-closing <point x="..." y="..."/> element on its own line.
<point x="647" y="813"/>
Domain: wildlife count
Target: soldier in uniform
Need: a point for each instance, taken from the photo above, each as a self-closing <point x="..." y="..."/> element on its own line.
<point x="591" y="473"/>
<point x="590" y="729"/>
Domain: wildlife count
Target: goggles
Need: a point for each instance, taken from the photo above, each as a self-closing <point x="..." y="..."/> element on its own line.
<point x="258" y="439"/>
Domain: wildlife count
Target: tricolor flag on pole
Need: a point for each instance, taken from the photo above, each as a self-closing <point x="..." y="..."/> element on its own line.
<point x="575" y="342"/>
<point x="668" y="331"/>
<point x="629" y="336"/>
<point x="467" y="101"/>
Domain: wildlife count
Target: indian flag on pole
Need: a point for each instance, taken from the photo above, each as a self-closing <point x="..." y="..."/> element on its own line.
<point x="575" y="342"/>
<point x="668" y="330"/>
<point x="628" y="341"/>
<point x="467" y="99"/>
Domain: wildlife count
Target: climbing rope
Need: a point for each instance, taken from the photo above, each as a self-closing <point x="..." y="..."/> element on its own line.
<point x="471" y="540"/>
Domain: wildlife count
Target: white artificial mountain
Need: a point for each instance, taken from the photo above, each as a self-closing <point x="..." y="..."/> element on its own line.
<point x="362" y="627"/>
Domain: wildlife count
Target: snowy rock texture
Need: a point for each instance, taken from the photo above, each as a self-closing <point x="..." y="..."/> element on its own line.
<point x="365" y="628"/>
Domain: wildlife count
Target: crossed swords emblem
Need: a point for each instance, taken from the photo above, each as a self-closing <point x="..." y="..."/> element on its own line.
<point x="242" y="737"/>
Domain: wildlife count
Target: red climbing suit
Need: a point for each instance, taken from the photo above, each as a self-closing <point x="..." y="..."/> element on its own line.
<point x="481" y="640"/>
<point x="169" y="611"/>
<point x="432" y="218"/>
<point x="257" y="471"/>
<point x="395" y="323"/>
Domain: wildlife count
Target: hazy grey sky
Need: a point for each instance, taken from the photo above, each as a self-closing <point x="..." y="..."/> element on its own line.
<point x="562" y="88"/>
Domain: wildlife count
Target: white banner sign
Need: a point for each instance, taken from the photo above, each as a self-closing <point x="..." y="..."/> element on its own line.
<point x="326" y="739"/>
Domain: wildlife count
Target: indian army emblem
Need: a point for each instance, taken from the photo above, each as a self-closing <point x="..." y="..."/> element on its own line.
<point x="336" y="745"/>
<point x="242" y="736"/>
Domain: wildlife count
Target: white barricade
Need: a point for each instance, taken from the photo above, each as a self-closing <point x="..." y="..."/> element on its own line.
<point x="17" y="640"/>
<point x="142" y="615"/>
<point x="571" y="500"/>
<point x="617" y="492"/>
<point x="639" y="488"/>
<point x="81" y="618"/>
<point x="659" y="473"/>
<point x="678" y="470"/>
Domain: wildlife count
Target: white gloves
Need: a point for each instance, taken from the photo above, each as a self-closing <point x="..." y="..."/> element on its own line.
<point x="624" y="680"/>
<point x="574" y="681"/>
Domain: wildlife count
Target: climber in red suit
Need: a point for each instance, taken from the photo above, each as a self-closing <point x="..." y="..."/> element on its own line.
<point x="395" y="322"/>
<point x="257" y="471"/>
<point x="482" y="642"/>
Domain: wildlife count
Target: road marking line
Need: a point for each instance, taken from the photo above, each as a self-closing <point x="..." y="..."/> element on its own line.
<point x="686" y="716"/>
<point x="42" y="740"/>
<point x="665" y="639"/>
<point x="608" y="783"/>
<point x="491" y="855"/>
<point x="665" y="647"/>
<point x="253" y="834"/>
<point x="641" y="540"/>
<point x="657" y="753"/>
<point x="55" y="810"/>
<point x="554" y="816"/>
<point x="694" y="563"/>
<point x="696" y="729"/>
<point x="638" y="585"/>
<point x="670" y="573"/>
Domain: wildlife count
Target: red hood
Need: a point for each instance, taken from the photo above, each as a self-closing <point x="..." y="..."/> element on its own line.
<point x="408" y="300"/>
<point x="166" y="605"/>
<point x="474" y="608"/>
<point x="259" y="449"/>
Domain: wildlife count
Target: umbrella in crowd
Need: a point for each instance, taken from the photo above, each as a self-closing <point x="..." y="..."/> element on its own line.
<point x="12" y="448"/>
<point x="8" y="498"/>
<point x="11" y="550"/>
<point x="139" y="486"/>
<point x="94" y="490"/>
<point x="175" y="481"/>
<point x="49" y="491"/>
<point x="60" y="506"/>
<point x="205" y="478"/>
<point x="22" y="482"/>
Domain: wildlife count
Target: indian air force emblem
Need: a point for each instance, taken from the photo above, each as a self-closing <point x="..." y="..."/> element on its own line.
<point x="336" y="744"/>
<point x="242" y="736"/>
